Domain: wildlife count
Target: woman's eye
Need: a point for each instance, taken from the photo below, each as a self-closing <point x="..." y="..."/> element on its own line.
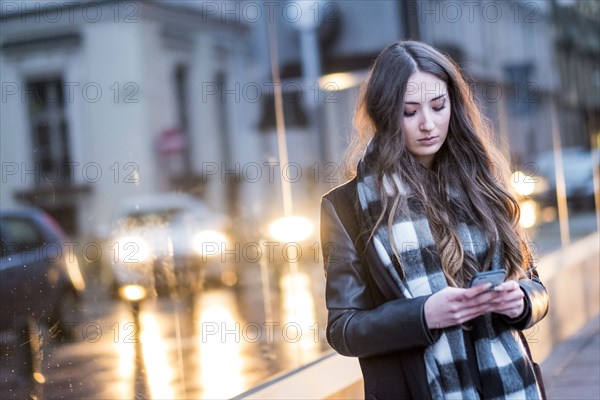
<point x="409" y="114"/>
<point x="440" y="108"/>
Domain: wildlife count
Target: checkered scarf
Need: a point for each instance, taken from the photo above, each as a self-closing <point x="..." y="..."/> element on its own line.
<point x="505" y="370"/>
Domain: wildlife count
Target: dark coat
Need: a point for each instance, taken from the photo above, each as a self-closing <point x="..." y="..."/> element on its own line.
<point x="369" y="318"/>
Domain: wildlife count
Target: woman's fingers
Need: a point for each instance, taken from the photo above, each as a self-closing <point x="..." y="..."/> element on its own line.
<point x="507" y="286"/>
<point x="454" y="306"/>
<point x="450" y="306"/>
<point x="507" y="301"/>
<point x="473" y="313"/>
<point x="488" y="297"/>
<point x="470" y="293"/>
<point x="506" y="297"/>
<point x="510" y="304"/>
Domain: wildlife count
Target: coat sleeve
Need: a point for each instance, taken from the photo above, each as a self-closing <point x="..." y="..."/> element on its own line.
<point x="356" y="324"/>
<point x="536" y="303"/>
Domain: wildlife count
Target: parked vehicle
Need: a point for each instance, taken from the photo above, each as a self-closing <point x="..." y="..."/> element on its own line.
<point x="168" y="244"/>
<point x="39" y="275"/>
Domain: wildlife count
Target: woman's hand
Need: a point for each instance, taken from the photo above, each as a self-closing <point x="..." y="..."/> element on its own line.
<point x="453" y="306"/>
<point x="510" y="300"/>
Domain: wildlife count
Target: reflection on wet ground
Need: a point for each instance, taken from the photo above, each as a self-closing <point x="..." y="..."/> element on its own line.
<point x="217" y="346"/>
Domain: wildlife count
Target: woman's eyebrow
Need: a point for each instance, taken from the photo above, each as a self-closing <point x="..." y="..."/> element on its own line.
<point x="434" y="99"/>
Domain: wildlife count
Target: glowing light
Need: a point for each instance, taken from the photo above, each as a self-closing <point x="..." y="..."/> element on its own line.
<point x="159" y="371"/>
<point x="221" y="363"/>
<point x="209" y="242"/>
<point x="229" y="278"/>
<point x="39" y="378"/>
<point x="339" y="81"/>
<point x="522" y="183"/>
<point x="291" y="229"/>
<point x="124" y="352"/>
<point x="529" y="209"/>
<point x="74" y="272"/>
<point x="299" y="311"/>
<point x="132" y="292"/>
<point x="132" y="249"/>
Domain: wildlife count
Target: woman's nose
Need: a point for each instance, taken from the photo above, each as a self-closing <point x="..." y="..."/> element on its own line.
<point x="426" y="122"/>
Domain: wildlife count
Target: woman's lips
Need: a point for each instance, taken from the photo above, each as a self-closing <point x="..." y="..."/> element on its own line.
<point x="428" y="141"/>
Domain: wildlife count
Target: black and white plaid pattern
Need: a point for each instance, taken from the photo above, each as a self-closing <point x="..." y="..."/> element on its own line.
<point x="505" y="370"/>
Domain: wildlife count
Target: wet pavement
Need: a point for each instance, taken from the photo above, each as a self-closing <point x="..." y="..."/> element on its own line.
<point x="572" y="371"/>
<point x="177" y="356"/>
<point x="215" y="347"/>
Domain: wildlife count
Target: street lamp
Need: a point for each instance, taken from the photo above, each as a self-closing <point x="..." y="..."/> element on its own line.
<point x="341" y="81"/>
<point x="291" y="229"/>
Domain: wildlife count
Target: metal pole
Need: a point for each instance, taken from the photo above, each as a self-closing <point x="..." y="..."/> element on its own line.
<point x="410" y="19"/>
<point x="311" y="67"/>
<point x="286" y="187"/>
<point x="504" y="138"/>
<point x="559" y="172"/>
<point x="311" y="71"/>
<point x="595" y="146"/>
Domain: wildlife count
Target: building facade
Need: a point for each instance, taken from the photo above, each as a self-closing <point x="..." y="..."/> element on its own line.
<point x="103" y="100"/>
<point x="107" y="99"/>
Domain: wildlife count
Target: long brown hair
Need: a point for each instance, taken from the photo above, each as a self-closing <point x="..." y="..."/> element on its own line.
<point x="468" y="158"/>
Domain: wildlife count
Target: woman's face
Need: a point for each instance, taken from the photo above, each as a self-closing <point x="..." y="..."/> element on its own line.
<point x="426" y="116"/>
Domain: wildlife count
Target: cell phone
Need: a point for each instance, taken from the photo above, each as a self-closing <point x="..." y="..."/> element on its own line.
<point x="495" y="277"/>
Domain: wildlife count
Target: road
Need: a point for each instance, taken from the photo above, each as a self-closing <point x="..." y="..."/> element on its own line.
<point x="217" y="347"/>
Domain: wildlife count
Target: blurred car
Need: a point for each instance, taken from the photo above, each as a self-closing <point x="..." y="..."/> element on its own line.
<point x="40" y="279"/>
<point x="168" y="244"/>
<point x="578" y="166"/>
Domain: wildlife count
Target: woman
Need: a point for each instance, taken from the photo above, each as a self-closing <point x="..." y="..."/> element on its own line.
<point x="427" y="209"/>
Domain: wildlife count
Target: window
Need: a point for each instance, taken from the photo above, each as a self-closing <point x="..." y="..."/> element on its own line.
<point x="49" y="129"/>
<point x="19" y="235"/>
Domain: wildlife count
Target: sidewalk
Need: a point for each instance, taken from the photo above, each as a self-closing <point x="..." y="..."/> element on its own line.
<point x="572" y="371"/>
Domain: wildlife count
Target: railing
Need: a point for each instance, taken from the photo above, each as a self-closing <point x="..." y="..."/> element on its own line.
<point x="320" y="379"/>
